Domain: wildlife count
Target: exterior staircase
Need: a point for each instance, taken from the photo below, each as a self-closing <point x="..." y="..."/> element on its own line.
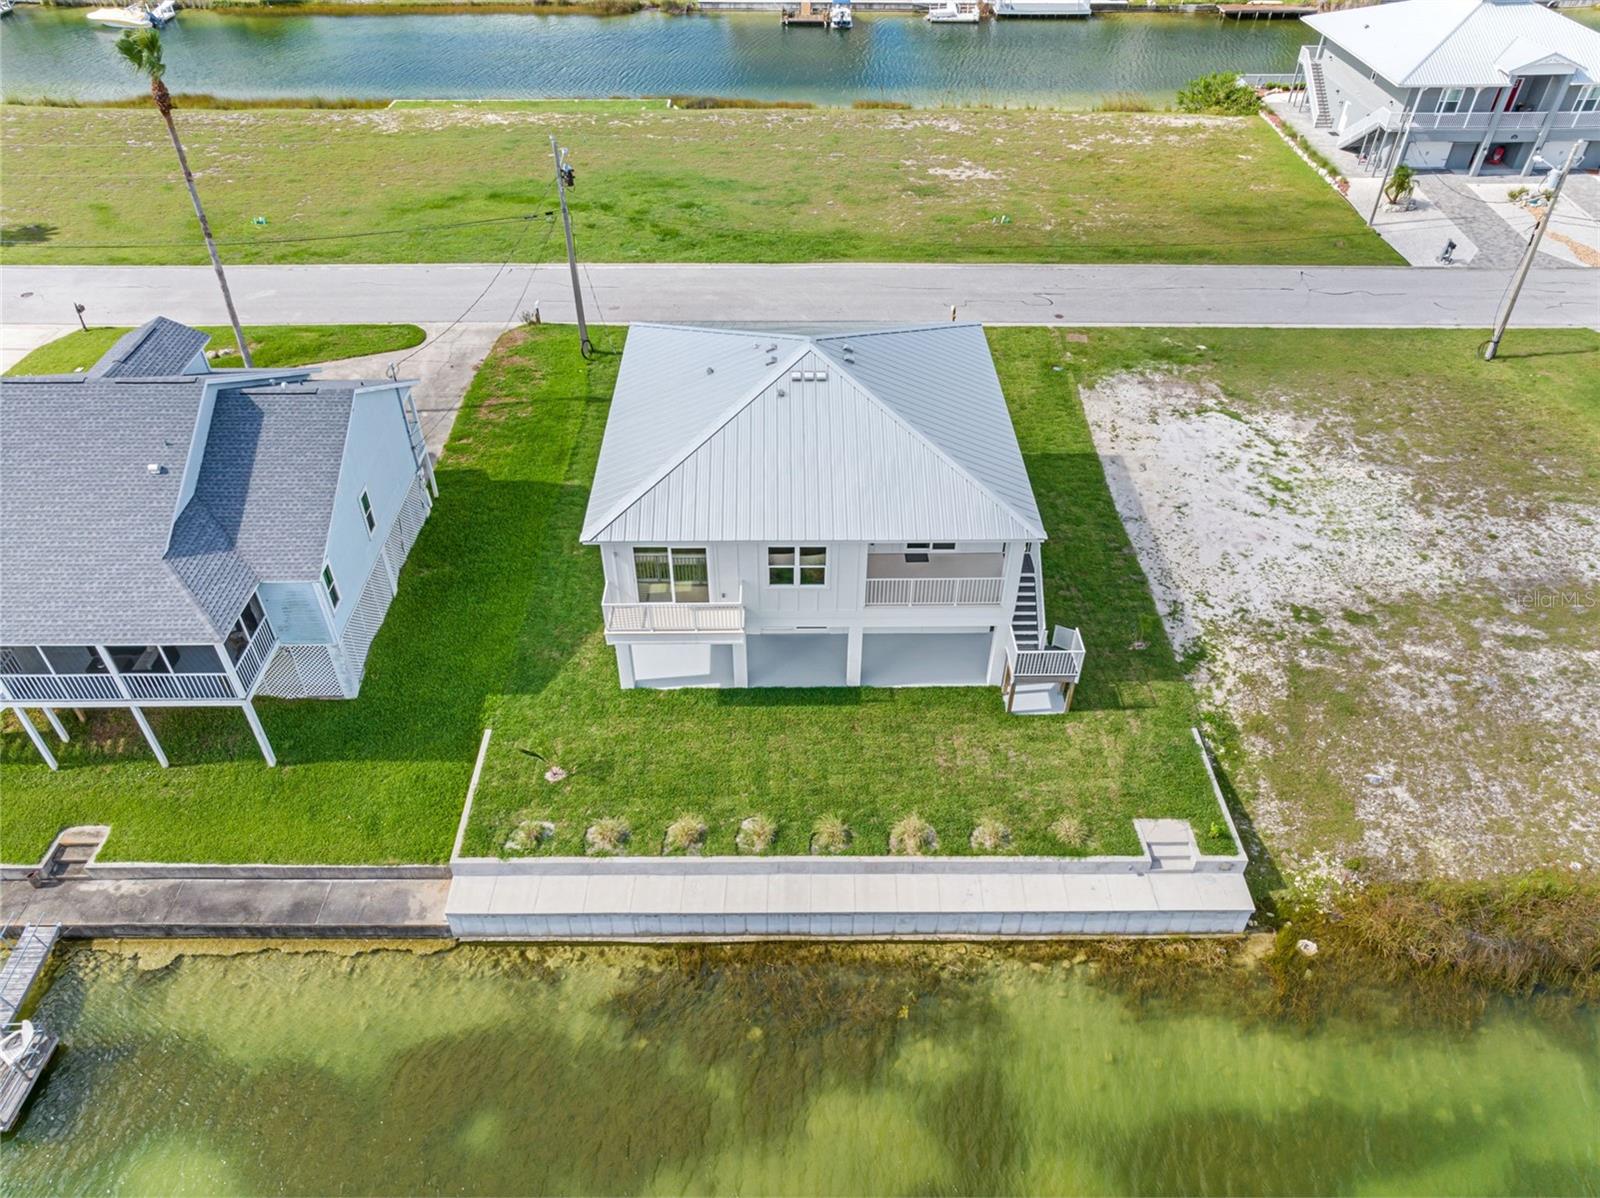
<point x="1027" y="618"/>
<point x="1321" y="117"/>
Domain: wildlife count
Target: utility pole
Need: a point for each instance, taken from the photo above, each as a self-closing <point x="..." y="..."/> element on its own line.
<point x="563" y="176"/>
<point x="1492" y="347"/>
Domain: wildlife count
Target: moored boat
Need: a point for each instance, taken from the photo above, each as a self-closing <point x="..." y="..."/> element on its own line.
<point x="840" y="17"/>
<point x="958" y="12"/>
<point x="133" y="16"/>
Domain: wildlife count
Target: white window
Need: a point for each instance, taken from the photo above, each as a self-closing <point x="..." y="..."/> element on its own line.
<point x="368" y="514"/>
<point x="797" y="566"/>
<point x="1450" y="99"/>
<point x="665" y="575"/>
<point x="1588" y="98"/>
<point x="329" y="585"/>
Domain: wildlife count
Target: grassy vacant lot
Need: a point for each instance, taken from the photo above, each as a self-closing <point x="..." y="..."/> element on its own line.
<point x="1386" y="554"/>
<point x="670" y="185"/>
<point x="270" y="345"/>
<point x="497" y="622"/>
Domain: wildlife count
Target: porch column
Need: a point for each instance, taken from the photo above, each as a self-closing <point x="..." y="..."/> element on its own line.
<point x="997" y="653"/>
<point x="55" y="724"/>
<point x="625" y="666"/>
<point x="33" y="734"/>
<point x="261" y="733"/>
<point x="1560" y="90"/>
<point x="852" y="657"/>
<point x="1482" y="151"/>
<point x="149" y="735"/>
<point x="741" y="664"/>
<point x="138" y="715"/>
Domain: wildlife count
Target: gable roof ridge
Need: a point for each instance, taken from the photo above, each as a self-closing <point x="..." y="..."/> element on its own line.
<point x="938" y="450"/>
<point x="781" y="367"/>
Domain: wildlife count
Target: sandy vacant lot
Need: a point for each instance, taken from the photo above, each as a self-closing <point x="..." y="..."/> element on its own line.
<point x="1401" y="620"/>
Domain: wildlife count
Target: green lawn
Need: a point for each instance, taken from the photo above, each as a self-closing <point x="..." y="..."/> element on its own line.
<point x="498" y="622"/>
<point x="270" y="345"/>
<point x="654" y="184"/>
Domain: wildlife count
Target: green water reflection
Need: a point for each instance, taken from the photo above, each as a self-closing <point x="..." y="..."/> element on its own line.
<point x="630" y="1070"/>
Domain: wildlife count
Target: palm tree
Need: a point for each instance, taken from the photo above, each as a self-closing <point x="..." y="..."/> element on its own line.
<point x="143" y="52"/>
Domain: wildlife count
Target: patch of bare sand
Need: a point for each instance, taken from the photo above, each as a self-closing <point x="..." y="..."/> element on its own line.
<point x="1414" y="667"/>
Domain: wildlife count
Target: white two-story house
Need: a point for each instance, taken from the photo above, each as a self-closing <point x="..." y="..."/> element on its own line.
<point x="182" y="537"/>
<point x="849" y="509"/>
<point x="1504" y="86"/>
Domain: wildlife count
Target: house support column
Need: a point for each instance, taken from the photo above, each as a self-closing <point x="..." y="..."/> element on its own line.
<point x="625" y="666"/>
<point x="741" y="663"/>
<point x="249" y="710"/>
<point x="55" y="724"/>
<point x="33" y="734"/>
<point x="1560" y="90"/>
<point x="1482" y="151"/>
<point x="149" y="735"/>
<point x="852" y="657"/>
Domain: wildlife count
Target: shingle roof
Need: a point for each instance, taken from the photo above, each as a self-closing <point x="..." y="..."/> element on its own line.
<point x="160" y="349"/>
<point x="1460" y="43"/>
<point x="897" y="434"/>
<point x="86" y="555"/>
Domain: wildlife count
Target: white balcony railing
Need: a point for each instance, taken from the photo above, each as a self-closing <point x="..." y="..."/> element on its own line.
<point x="179" y="686"/>
<point x="255" y="655"/>
<point x="1063" y="662"/>
<point x="673" y="617"/>
<point x="933" y="592"/>
<point x="60" y="688"/>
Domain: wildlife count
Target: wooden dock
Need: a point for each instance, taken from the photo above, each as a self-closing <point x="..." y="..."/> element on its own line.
<point x="807" y="13"/>
<point x="24" y="965"/>
<point x="1272" y="10"/>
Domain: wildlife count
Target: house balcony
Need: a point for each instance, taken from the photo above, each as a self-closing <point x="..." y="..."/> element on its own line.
<point x="680" y="618"/>
<point x="941" y="580"/>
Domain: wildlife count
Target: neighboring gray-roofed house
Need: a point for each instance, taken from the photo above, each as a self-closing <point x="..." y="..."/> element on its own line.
<point x="1507" y="86"/>
<point x="198" y="538"/>
<point x="160" y="349"/>
<point x="843" y="508"/>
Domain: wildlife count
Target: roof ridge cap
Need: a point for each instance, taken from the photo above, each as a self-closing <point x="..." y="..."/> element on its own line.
<point x="983" y="488"/>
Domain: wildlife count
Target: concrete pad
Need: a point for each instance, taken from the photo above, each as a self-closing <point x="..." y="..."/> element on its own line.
<point x="746" y="894"/>
<point x="17" y="341"/>
<point x="705" y="894"/>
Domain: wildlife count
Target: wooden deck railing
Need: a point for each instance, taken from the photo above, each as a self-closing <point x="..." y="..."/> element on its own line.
<point x="933" y="592"/>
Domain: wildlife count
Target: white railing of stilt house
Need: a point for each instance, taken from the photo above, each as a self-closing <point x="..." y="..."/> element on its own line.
<point x="153" y="687"/>
<point x="933" y="592"/>
<point x="674" y="617"/>
<point x="248" y="667"/>
<point x="61" y="688"/>
<point x="1057" y="664"/>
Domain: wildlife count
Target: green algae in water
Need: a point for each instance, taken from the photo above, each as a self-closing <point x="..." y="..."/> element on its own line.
<point x="904" y="1069"/>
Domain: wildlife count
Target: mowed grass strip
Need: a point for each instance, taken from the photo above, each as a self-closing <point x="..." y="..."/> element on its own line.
<point x="667" y="185"/>
<point x="498" y="622"/>
<point x="270" y="345"/>
<point x="866" y="756"/>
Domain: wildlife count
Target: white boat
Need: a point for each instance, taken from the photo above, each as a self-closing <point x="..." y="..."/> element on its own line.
<point x="5" y="8"/>
<point x="959" y="12"/>
<point x="164" y="12"/>
<point x="839" y="17"/>
<point x="1041" y="8"/>
<point x="134" y="16"/>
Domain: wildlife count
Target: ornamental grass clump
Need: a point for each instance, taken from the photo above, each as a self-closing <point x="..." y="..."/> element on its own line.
<point x="529" y="834"/>
<point x="606" y="836"/>
<point x="755" y="835"/>
<point x="912" y="837"/>
<point x="686" y="834"/>
<point x="1069" y="831"/>
<point x="830" y="834"/>
<point x="990" y="836"/>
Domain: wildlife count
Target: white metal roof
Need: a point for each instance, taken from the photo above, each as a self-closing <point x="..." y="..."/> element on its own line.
<point x="897" y="434"/>
<point x="1462" y="43"/>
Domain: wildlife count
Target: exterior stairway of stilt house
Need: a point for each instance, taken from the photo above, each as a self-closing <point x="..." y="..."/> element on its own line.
<point x="1321" y="117"/>
<point x="1027" y="618"/>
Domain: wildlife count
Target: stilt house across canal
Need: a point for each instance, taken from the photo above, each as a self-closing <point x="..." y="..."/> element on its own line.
<point x="841" y="509"/>
<point x="178" y="536"/>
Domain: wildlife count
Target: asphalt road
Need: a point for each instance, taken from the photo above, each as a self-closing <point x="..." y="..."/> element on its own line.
<point x="619" y="293"/>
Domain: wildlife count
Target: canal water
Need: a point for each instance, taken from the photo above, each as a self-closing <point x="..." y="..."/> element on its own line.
<point x="769" y="1069"/>
<point x="899" y="57"/>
